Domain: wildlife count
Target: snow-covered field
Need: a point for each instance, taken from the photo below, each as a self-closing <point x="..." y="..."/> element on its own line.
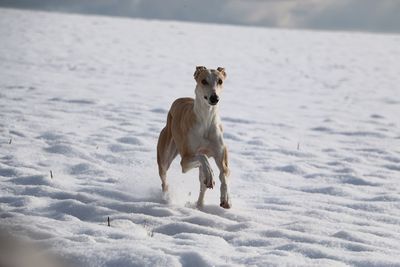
<point x="311" y="119"/>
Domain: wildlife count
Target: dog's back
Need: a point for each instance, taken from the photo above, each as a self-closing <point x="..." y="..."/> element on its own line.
<point x="181" y="118"/>
<point x="182" y="115"/>
<point x="182" y="104"/>
<point x="179" y="121"/>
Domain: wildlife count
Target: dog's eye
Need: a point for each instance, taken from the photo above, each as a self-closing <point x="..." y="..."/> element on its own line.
<point x="219" y="81"/>
<point x="204" y="82"/>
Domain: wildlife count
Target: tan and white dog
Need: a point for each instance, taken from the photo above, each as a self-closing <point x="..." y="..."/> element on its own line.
<point x="194" y="131"/>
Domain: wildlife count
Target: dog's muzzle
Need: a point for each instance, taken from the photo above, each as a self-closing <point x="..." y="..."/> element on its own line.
<point x="214" y="98"/>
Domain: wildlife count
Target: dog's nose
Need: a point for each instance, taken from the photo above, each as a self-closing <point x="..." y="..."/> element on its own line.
<point x="214" y="98"/>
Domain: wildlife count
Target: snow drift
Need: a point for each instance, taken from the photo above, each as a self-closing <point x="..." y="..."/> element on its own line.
<point x="311" y="120"/>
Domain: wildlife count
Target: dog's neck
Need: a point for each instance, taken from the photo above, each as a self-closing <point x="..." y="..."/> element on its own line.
<point x="205" y="113"/>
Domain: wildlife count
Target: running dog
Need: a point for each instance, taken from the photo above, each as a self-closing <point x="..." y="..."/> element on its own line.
<point x="194" y="131"/>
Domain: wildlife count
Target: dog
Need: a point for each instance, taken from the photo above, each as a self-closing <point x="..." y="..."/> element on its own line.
<point x="194" y="130"/>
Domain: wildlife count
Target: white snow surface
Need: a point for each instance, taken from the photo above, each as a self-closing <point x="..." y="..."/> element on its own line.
<point x="311" y="120"/>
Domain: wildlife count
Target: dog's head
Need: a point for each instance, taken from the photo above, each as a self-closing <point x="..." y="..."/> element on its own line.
<point x="209" y="83"/>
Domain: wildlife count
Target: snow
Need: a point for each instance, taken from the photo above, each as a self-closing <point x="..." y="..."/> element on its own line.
<point x="311" y="120"/>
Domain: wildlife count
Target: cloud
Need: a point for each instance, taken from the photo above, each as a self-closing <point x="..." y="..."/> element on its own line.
<point x="363" y="15"/>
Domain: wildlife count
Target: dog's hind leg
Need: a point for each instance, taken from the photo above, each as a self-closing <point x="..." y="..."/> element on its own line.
<point x="166" y="152"/>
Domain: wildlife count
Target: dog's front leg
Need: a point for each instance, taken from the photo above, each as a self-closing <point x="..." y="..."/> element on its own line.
<point x="221" y="159"/>
<point x="196" y="161"/>
<point x="203" y="188"/>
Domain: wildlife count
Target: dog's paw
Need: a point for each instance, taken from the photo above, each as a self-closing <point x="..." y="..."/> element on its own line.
<point x="225" y="201"/>
<point x="200" y="205"/>
<point x="225" y="205"/>
<point x="164" y="188"/>
<point x="210" y="183"/>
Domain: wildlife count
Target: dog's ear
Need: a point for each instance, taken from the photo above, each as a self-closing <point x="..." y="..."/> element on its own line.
<point x="198" y="70"/>
<point x="222" y="70"/>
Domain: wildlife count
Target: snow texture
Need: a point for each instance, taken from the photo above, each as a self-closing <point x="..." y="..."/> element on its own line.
<point x="311" y="120"/>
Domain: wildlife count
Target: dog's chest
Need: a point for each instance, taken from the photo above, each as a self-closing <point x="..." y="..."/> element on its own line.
<point x="203" y="137"/>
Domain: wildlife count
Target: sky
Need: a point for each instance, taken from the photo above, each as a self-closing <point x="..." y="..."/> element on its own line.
<point x="354" y="15"/>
